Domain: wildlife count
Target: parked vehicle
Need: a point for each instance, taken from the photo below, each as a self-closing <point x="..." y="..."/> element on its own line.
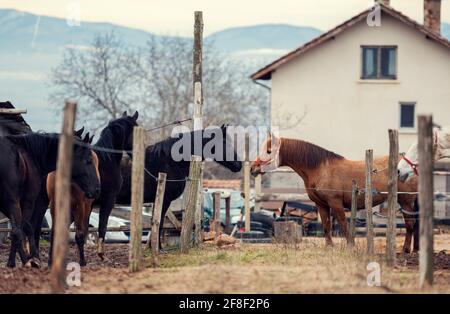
<point x="113" y="222"/>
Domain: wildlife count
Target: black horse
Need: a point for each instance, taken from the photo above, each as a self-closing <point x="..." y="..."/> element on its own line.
<point x="159" y="158"/>
<point x="12" y="124"/>
<point x="117" y="135"/>
<point x="24" y="163"/>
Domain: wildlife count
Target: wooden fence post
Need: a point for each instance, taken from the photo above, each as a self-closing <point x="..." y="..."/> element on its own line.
<point x="258" y="188"/>
<point x="368" y="201"/>
<point x="156" y="217"/>
<point x="391" y="232"/>
<point x="191" y="204"/>
<point x="137" y="199"/>
<point x="247" y="184"/>
<point x="198" y="116"/>
<point x="425" y="149"/>
<point x="215" y="223"/>
<point x="228" y="214"/>
<point x="62" y="200"/>
<point x="351" y="240"/>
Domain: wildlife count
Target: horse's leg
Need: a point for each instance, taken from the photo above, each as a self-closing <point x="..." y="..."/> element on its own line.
<point x="325" y="215"/>
<point x="16" y="235"/>
<point x="106" y="205"/>
<point x="409" y="225"/>
<point x="28" y="206"/>
<point x="50" y="251"/>
<point x="40" y="207"/>
<point x="340" y="216"/>
<point x="82" y="228"/>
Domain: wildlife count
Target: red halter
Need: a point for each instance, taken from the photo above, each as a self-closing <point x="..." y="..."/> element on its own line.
<point x="413" y="165"/>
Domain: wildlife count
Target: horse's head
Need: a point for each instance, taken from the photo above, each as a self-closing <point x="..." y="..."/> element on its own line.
<point x="84" y="171"/>
<point x="219" y="147"/>
<point x="122" y="130"/>
<point x="409" y="163"/>
<point x="268" y="158"/>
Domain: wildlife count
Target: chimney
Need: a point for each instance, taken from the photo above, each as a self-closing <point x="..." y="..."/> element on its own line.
<point x="385" y="2"/>
<point x="432" y="15"/>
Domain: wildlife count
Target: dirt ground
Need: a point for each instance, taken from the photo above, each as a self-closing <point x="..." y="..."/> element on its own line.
<point x="310" y="267"/>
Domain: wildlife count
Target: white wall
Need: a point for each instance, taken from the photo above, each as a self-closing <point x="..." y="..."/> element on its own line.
<point x="347" y="115"/>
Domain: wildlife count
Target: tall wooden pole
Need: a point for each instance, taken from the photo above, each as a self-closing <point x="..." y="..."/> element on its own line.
<point x="62" y="200"/>
<point x="198" y="116"/>
<point x="247" y="185"/>
<point x="391" y="232"/>
<point x="352" y="233"/>
<point x="137" y="199"/>
<point x="368" y="201"/>
<point x="426" y="165"/>
<point x="156" y="217"/>
<point x="191" y="204"/>
<point x="215" y="224"/>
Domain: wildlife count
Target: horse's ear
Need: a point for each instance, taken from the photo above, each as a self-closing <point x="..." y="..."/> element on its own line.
<point x="124" y="114"/>
<point x="86" y="138"/>
<point x="79" y="132"/>
<point x="91" y="139"/>
<point x="135" y="116"/>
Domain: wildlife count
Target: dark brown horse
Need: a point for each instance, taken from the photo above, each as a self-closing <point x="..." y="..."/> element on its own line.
<point x="328" y="181"/>
<point x="81" y="207"/>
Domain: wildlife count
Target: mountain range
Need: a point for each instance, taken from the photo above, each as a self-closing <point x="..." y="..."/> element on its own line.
<point x="31" y="45"/>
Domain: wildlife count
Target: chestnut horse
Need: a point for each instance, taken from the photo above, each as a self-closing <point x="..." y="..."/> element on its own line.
<point x="328" y="181"/>
<point x="81" y="207"/>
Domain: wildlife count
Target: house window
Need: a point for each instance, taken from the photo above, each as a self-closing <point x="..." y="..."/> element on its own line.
<point x="379" y="63"/>
<point x="407" y="115"/>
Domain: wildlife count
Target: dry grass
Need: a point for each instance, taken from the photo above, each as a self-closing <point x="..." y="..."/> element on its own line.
<point x="263" y="268"/>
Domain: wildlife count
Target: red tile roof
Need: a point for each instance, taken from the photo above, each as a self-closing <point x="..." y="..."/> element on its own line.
<point x="266" y="72"/>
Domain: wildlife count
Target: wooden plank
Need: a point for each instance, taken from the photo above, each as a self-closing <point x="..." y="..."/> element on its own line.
<point x="198" y="117"/>
<point x="156" y="217"/>
<point x="12" y="111"/>
<point x="258" y="186"/>
<point x="425" y="150"/>
<point x="352" y="230"/>
<point x="62" y="200"/>
<point x="368" y="201"/>
<point x="192" y="198"/>
<point x="282" y="197"/>
<point x="391" y="232"/>
<point x="137" y="199"/>
<point x="287" y="232"/>
<point x="176" y="223"/>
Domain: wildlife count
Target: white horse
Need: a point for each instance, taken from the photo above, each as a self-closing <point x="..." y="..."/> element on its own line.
<point x="408" y="165"/>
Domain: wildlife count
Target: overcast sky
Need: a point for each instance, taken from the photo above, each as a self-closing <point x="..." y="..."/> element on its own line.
<point x="175" y="17"/>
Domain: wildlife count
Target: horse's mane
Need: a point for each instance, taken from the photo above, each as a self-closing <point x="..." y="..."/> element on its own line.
<point x="36" y="144"/>
<point x="12" y="123"/>
<point x="107" y="136"/>
<point x="306" y="154"/>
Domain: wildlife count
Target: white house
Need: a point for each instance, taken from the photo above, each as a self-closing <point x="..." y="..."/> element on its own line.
<point x="361" y="78"/>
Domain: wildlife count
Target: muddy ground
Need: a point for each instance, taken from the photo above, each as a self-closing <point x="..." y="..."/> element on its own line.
<point x="242" y="268"/>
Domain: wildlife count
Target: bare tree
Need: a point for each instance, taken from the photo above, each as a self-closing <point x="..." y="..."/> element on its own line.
<point x="108" y="78"/>
<point x="98" y="77"/>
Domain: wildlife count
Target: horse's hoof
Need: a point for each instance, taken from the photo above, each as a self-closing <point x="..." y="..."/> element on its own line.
<point x="83" y="263"/>
<point x="34" y="262"/>
<point x="10" y="265"/>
